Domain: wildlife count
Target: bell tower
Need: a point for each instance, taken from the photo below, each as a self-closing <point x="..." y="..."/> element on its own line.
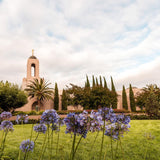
<point x="32" y="67"/>
<point x="32" y="70"/>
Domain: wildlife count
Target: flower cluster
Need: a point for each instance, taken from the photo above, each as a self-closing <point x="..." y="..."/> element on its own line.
<point x="107" y="114"/>
<point x="6" y="126"/>
<point x="27" y="146"/>
<point x="118" y="127"/>
<point x="5" y="115"/>
<point x="40" y="128"/>
<point x="77" y="124"/>
<point x="22" y="118"/>
<point x="49" y="117"/>
<point x="95" y="121"/>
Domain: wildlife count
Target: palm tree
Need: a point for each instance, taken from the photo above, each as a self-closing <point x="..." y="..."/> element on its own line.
<point x="151" y="88"/>
<point x="39" y="89"/>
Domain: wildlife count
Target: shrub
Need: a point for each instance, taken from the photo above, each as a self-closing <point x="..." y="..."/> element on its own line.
<point x="121" y="111"/>
<point x="40" y="113"/>
<point x="32" y="113"/>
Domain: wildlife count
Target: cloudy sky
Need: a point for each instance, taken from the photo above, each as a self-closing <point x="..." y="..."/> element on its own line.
<point x="72" y="38"/>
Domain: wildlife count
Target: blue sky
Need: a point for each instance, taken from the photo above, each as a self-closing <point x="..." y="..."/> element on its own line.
<point x="73" y="38"/>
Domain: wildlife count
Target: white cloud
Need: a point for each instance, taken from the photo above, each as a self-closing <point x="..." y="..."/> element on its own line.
<point x="75" y="38"/>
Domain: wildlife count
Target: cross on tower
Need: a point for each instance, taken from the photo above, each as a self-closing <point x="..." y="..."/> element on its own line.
<point x="32" y="52"/>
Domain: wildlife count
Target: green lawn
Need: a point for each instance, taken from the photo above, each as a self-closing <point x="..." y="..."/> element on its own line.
<point x="135" y="145"/>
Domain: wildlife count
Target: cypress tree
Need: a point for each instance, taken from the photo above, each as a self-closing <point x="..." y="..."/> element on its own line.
<point x="93" y="81"/>
<point x="105" y="83"/>
<point x="56" y="98"/>
<point x="100" y="79"/>
<point x="97" y="82"/>
<point x="114" y="95"/>
<point x="87" y="84"/>
<point x="124" y="99"/>
<point x="112" y="85"/>
<point x="64" y="100"/>
<point x="131" y="99"/>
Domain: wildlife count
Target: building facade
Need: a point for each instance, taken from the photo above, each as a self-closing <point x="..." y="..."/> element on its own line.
<point x="33" y="73"/>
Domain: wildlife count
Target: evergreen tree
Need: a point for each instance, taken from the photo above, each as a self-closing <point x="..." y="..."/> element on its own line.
<point x="56" y="98"/>
<point x="64" y="100"/>
<point x="124" y="99"/>
<point x="100" y="79"/>
<point x="105" y="83"/>
<point x="97" y="82"/>
<point x="93" y="82"/>
<point x="114" y="95"/>
<point x="112" y="85"/>
<point x="87" y="84"/>
<point x="131" y="99"/>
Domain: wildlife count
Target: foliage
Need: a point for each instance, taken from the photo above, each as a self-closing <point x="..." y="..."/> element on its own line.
<point x="114" y="95"/>
<point x="98" y="95"/>
<point x="152" y="105"/>
<point x="93" y="81"/>
<point x="105" y="83"/>
<point x="87" y="83"/>
<point x="39" y="89"/>
<point x="132" y="99"/>
<point x="89" y="99"/>
<point x="144" y="99"/>
<point x="100" y="80"/>
<point x="124" y="99"/>
<point x="11" y="96"/>
<point x="64" y="100"/>
<point x="56" y="98"/>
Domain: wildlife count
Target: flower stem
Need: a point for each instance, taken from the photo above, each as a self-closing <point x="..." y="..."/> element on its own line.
<point x="111" y="147"/>
<point x="73" y="144"/>
<point x="77" y="146"/>
<point x="116" y="149"/>
<point x="51" y="142"/>
<point x="3" y="143"/>
<point x="94" y="142"/>
<point x="121" y="148"/>
<point x="43" y="147"/>
<point x="57" y="143"/>
<point x="102" y="139"/>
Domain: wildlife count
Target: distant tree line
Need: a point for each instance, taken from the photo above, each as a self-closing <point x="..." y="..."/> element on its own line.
<point x="90" y="96"/>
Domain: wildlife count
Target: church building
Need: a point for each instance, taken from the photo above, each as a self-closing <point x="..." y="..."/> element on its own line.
<point x="33" y="73"/>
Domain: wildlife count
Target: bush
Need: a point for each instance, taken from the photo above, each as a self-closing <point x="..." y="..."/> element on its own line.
<point x="143" y="117"/>
<point x="32" y="113"/>
<point x="40" y="113"/>
<point x="121" y="111"/>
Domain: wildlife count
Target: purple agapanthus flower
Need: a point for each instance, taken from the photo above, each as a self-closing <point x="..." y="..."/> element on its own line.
<point x="77" y="123"/>
<point x="107" y="114"/>
<point x="5" y="115"/>
<point x="95" y="121"/>
<point x="117" y="129"/>
<point x="40" y="128"/>
<point x="49" y="117"/>
<point x="22" y="118"/>
<point x="27" y="146"/>
<point x="6" y="126"/>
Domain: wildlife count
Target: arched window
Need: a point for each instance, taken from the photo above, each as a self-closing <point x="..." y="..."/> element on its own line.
<point x="33" y="67"/>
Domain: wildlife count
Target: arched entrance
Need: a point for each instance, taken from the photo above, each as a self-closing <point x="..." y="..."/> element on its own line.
<point x="35" y="106"/>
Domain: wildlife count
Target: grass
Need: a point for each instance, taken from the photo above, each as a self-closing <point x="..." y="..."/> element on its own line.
<point x="135" y="145"/>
